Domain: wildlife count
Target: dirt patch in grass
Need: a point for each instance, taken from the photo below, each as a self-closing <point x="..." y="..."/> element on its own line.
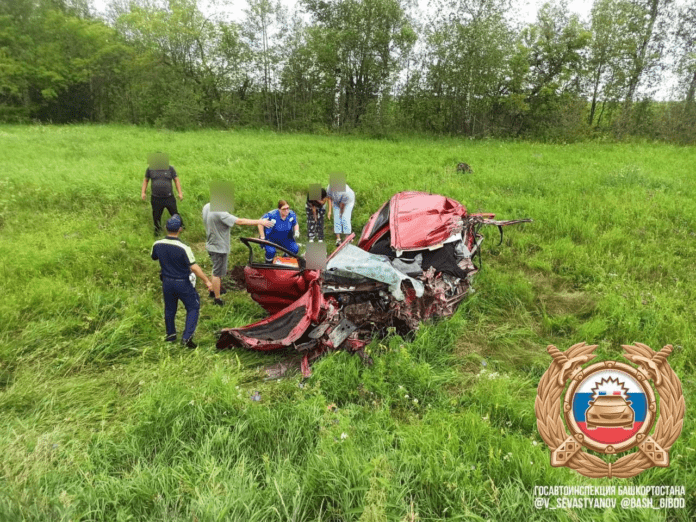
<point x="234" y="279"/>
<point x="564" y="303"/>
<point x="556" y="295"/>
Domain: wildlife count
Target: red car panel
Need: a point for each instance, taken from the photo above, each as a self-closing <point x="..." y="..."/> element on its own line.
<point x="419" y="220"/>
<point x="280" y="329"/>
<point x="377" y="221"/>
<point x="275" y="286"/>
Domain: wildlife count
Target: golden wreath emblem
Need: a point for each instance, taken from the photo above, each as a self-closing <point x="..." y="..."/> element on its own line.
<point x="609" y="407"/>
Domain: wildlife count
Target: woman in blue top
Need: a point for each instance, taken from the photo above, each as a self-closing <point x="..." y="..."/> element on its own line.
<point x="285" y="226"/>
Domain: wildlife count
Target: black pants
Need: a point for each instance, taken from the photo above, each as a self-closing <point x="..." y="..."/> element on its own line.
<point x="158" y="206"/>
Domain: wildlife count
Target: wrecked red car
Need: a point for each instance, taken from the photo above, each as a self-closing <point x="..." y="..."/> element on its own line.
<point x="414" y="261"/>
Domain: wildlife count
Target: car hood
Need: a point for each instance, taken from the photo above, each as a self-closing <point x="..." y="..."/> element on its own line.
<point x="418" y="220"/>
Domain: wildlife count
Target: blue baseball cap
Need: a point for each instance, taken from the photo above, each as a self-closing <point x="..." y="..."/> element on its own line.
<point x="174" y="223"/>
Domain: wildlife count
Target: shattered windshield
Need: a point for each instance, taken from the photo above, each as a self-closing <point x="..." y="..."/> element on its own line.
<point x="354" y="262"/>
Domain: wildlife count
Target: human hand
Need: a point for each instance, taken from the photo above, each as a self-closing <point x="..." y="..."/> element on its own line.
<point x="265" y="223"/>
<point x="297" y="233"/>
<point x="142" y="196"/>
<point x="209" y="285"/>
<point x="181" y="196"/>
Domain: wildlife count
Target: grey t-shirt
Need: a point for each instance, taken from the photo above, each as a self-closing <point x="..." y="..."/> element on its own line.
<point x="217" y="229"/>
<point x="161" y="181"/>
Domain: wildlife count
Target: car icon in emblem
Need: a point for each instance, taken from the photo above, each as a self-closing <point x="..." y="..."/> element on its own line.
<point x="609" y="411"/>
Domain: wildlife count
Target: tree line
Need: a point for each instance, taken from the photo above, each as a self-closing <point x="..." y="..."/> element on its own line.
<point x="376" y="66"/>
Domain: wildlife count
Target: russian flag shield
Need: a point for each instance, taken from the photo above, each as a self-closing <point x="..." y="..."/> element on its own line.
<point x="609" y="406"/>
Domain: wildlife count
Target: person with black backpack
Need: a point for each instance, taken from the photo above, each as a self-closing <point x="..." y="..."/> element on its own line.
<point x="161" y="174"/>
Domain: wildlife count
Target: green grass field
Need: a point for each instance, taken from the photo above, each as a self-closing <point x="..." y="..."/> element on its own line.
<point x="102" y="420"/>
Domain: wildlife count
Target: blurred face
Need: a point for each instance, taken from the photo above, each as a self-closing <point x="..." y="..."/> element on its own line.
<point x="284" y="211"/>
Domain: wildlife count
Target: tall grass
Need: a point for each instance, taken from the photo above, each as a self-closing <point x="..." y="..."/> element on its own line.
<point x="102" y="420"/>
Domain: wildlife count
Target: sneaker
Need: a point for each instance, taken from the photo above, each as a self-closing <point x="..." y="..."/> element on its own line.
<point x="188" y="343"/>
<point x="170" y="338"/>
<point x="218" y="302"/>
<point x="338" y="242"/>
<point x="212" y="294"/>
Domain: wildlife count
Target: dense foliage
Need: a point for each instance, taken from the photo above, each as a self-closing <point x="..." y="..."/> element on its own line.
<point x="377" y="66"/>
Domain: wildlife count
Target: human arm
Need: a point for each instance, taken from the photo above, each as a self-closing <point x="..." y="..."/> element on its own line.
<point x="143" y="190"/>
<point x="251" y="222"/>
<point x="265" y="221"/>
<point x="178" y="188"/>
<point x="329" y="198"/>
<point x="199" y="273"/>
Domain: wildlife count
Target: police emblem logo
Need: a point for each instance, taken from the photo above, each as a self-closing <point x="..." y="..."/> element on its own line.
<point x="609" y="407"/>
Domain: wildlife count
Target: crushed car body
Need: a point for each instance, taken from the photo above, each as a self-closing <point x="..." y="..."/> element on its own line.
<point x="414" y="261"/>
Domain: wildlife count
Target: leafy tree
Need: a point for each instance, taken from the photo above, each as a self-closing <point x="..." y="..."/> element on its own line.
<point x="302" y="80"/>
<point x="181" y="74"/>
<point x="554" y="46"/>
<point x="56" y="65"/>
<point x="358" y="45"/>
<point x="610" y="47"/>
<point x="648" y="43"/>
<point x="686" y="45"/>
<point x="264" y="26"/>
<point x="553" y="49"/>
<point x="468" y="50"/>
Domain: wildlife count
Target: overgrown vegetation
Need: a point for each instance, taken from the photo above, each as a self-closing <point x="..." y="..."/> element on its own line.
<point x="376" y="67"/>
<point x="102" y="420"/>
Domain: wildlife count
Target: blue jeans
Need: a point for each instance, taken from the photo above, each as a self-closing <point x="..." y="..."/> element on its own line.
<point x="342" y="224"/>
<point x="175" y="290"/>
<point x="288" y="244"/>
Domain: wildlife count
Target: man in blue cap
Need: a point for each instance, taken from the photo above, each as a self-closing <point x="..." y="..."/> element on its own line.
<point x="177" y="264"/>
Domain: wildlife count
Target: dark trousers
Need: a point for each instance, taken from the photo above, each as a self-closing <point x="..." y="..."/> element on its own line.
<point x="315" y="229"/>
<point x="158" y="206"/>
<point x="175" y="290"/>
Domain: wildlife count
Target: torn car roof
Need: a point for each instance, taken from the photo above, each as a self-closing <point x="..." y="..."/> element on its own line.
<point x="418" y="220"/>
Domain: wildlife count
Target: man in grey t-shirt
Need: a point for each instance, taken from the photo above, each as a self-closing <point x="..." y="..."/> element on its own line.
<point x="217" y="243"/>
